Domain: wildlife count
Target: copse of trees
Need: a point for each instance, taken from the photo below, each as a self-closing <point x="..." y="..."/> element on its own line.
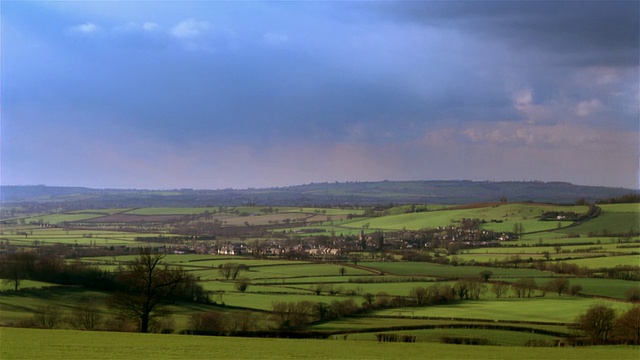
<point x="28" y="265"/>
<point x="218" y="323"/>
<point x="601" y="325"/>
<point x="296" y="315"/>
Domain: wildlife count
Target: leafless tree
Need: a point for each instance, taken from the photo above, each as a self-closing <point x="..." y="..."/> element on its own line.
<point x="86" y="316"/>
<point x="628" y="325"/>
<point x="230" y="271"/>
<point x="500" y="289"/>
<point x="597" y="323"/>
<point x="242" y="284"/>
<point x="558" y="285"/>
<point x="48" y="317"/>
<point x="524" y="286"/>
<point x="148" y="286"/>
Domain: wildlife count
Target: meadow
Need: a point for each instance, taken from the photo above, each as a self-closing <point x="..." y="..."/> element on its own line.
<point x="67" y="344"/>
<point x="507" y="215"/>
<point x="549" y="309"/>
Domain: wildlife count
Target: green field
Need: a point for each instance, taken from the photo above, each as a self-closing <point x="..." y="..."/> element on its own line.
<point x="25" y="284"/>
<point x="431" y="269"/>
<point x="59" y="218"/>
<point x="607" y="261"/>
<point x="507" y="214"/>
<point x="551" y="309"/>
<point x="51" y="236"/>
<point x="66" y="344"/>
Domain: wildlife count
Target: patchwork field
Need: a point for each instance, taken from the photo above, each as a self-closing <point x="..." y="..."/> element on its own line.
<point x="373" y="281"/>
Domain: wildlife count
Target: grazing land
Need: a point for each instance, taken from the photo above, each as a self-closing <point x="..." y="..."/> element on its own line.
<point x="503" y="275"/>
<point x="66" y="344"/>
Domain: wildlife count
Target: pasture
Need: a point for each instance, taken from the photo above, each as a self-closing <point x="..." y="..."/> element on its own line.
<point x="448" y="271"/>
<point x="67" y="344"/>
<point x="607" y="261"/>
<point x="499" y="217"/>
<point x="550" y="309"/>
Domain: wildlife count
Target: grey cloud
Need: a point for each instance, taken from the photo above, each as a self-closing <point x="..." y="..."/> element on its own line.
<point x="586" y="33"/>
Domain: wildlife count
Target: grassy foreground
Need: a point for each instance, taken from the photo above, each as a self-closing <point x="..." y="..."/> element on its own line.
<point x="18" y="343"/>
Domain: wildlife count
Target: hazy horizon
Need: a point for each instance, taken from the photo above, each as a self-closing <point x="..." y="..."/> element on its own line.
<point x="215" y="95"/>
<point x="307" y="184"/>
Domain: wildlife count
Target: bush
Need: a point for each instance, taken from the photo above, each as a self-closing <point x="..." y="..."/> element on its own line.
<point x="464" y="340"/>
<point x="633" y="294"/>
<point x="48" y="317"/>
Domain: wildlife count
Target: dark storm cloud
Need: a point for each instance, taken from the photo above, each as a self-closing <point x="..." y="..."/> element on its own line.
<point x="589" y="32"/>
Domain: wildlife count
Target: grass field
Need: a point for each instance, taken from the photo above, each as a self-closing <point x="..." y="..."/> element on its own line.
<point x="431" y="269"/>
<point x="52" y="236"/>
<point x="613" y="288"/>
<point x="550" y="309"/>
<point x="25" y="284"/>
<point x="59" y="218"/>
<point x="66" y="344"/>
<point x="607" y="261"/>
<point x="508" y="214"/>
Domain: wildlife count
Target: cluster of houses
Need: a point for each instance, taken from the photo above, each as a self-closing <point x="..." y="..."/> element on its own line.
<point x="336" y="246"/>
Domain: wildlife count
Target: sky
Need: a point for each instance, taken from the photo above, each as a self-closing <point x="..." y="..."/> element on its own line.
<point x="212" y="95"/>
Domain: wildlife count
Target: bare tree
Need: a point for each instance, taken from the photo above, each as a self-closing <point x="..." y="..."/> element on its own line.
<point x="597" y="323"/>
<point x="486" y="275"/>
<point x="575" y="289"/>
<point x="211" y="321"/>
<point x="382" y="299"/>
<point x="48" y="317"/>
<point x="420" y="294"/>
<point x="524" y="286"/>
<point x="368" y="299"/>
<point x="628" y="325"/>
<point x="230" y="271"/>
<point x="318" y="288"/>
<point x="500" y="289"/>
<point x="148" y="286"/>
<point x="242" y="284"/>
<point x="558" y="285"/>
<point x="476" y="288"/>
<point x="241" y="321"/>
<point x="86" y="316"/>
<point x="321" y="310"/>
<point x="292" y="314"/>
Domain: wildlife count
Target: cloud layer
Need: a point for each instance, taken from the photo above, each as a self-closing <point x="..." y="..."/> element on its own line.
<point x="209" y="94"/>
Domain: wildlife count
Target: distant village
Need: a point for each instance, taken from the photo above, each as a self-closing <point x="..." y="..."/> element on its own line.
<point x="451" y="238"/>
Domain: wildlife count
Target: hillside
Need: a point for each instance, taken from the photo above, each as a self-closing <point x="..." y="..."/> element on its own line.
<point x="321" y="194"/>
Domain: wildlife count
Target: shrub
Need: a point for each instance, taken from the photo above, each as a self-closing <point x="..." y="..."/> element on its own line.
<point x="633" y="294"/>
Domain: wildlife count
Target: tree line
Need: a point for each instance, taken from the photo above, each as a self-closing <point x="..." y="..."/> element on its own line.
<point x="140" y="293"/>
